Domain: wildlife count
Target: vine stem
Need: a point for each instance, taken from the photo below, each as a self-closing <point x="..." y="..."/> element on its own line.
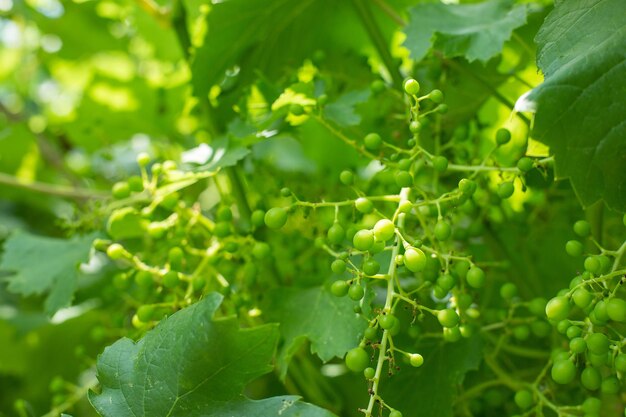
<point x="52" y="189"/>
<point x="404" y="196"/>
<point x="73" y="399"/>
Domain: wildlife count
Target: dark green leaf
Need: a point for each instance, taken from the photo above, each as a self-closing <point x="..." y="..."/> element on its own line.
<point x="430" y="390"/>
<point x="581" y="106"/>
<point x="327" y="321"/>
<point x="191" y="365"/>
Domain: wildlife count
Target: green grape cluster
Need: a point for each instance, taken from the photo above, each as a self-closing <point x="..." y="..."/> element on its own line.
<point x="169" y="252"/>
<point x="407" y="246"/>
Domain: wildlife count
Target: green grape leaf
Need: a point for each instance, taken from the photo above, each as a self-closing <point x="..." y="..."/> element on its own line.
<point x="56" y="274"/>
<point x="342" y="111"/>
<point x="445" y="366"/>
<point x="219" y="154"/>
<point x="581" y="111"/>
<point x="192" y="365"/>
<point x="307" y="313"/>
<point x="475" y="31"/>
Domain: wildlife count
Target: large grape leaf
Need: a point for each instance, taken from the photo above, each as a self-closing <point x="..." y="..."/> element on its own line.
<point x="314" y="313"/>
<point x="42" y="264"/>
<point x="430" y="390"/>
<point x="192" y="365"/>
<point x="581" y="106"/>
<point x="475" y="31"/>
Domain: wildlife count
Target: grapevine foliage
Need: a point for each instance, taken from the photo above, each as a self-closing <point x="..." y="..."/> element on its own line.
<point x="315" y="208"/>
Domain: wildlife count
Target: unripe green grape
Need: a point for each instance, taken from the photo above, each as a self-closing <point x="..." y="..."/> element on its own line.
<point x="135" y="184"/>
<point x="577" y="345"/>
<point x="600" y="312"/>
<point x="463" y="301"/>
<point x="276" y="217"/>
<point x="377" y="247"/>
<point x="620" y="362"/>
<point x="442" y="109"/>
<point x="373" y="141"/>
<point x="582" y="298"/>
<point x="224" y="214"/>
<point x="598" y="343"/>
<point x="524" y="399"/>
<point x="257" y="218"/>
<point x="411" y="87"/>
<point x="475" y="277"/>
<point x="525" y="164"/>
<point x="143" y="159"/>
<point x="439" y="293"/>
<point x="222" y="229"/>
<point x="467" y="186"/>
<point x="403" y="179"/>
<point x="415" y="127"/>
<point x="452" y="334"/>
<point x="405" y="207"/>
<point x="605" y="264"/>
<point x="573" y="331"/>
<point x="537" y="306"/>
<point x="503" y="136"/>
<point x="597" y="360"/>
<point x="414" y="259"/>
<point x="144" y="279"/>
<point x="440" y="163"/>
<point x="610" y="385"/>
<point x="387" y="321"/>
<point x="338" y="266"/>
<point x="339" y="288"/>
<point x="395" y="413"/>
<point x="616" y="309"/>
<point x="371" y="267"/>
<point x="369" y="373"/>
<point x="461" y="268"/>
<point x="171" y="279"/>
<point x="346" y="177"/>
<point x="285" y="192"/>
<point x="115" y="251"/>
<point x="442" y="230"/>
<point x="363" y="205"/>
<point x="508" y="291"/>
<point x="448" y="317"/>
<point x="175" y="255"/>
<point x="591" y="405"/>
<point x="436" y="96"/>
<point x="521" y="332"/>
<point x="384" y="230"/>
<point x="563" y="371"/>
<point x="363" y="239"/>
<point x="562" y="326"/>
<point x="558" y="308"/>
<point x="322" y="100"/>
<point x="592" y="264"/>
<point x="120" y="190"/>
<point x="582" y="228"/>
<point x="416" y="360"/>
<point x="356" y="292"/>
<point x="590" y="378"/>
<point x="446" y="282"/>
<point x="336" y="234"/>
<point x="574" y="248"/>
<point x="371" y="333"/>
<point x="145" y="313"/>
<point x="357" y="359"/>
<point x="261" y="250"/>
<point x="506" y="190"/>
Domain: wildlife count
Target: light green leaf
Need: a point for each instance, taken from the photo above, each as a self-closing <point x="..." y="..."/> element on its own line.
<point x="475" y="31"/>
<point x="329" y="322"/>
<point x="191" y="365"/>
<point x="219" y="154"/>
<point x="430" y="390"/>
<point x="581" y="106"/>
<point x="43" y="264"/>
<point x="342" y="111"/>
